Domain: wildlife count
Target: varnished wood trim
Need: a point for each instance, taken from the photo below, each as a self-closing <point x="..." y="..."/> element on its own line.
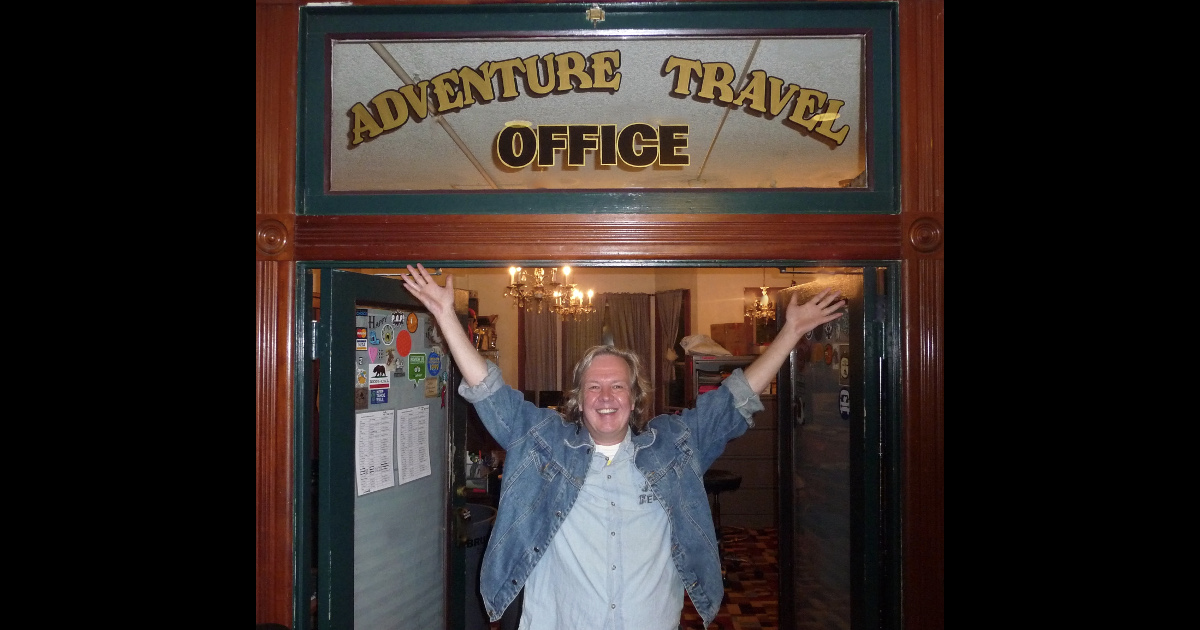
<point x="924" y="234"/>
<point x="599" y="237"/>
<point x="274" y="467"/>
<point x="276" y="52"/>
<point x="924" y="445"/>
<point x="275" y="48"/>
<point x="273" y="236"/>
<point x="922" y="130"/>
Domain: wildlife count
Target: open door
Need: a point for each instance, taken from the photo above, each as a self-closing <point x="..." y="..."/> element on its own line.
<point x="832" y="450"/>
<point x="385" y="546"/>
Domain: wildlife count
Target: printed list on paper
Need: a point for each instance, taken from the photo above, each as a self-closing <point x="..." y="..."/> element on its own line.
<point x="412" y="443"/>
<point x="373" y="454"/>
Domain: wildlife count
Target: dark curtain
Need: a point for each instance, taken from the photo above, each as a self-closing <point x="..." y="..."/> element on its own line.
<point x="668" y="304"/>
<point x="629" y="321"/>
<point x="541" y="350"/>
<point x="579" y="335"/>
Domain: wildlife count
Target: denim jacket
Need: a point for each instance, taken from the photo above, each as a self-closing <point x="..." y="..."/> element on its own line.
<point x="547" y="458"/>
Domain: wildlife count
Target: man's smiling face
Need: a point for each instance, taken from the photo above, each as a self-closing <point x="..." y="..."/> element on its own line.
<point x="607" y="399"/>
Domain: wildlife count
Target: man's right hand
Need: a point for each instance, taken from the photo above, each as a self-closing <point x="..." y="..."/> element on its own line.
<point x="439" y="300"/>
<point x="440" y="303"/>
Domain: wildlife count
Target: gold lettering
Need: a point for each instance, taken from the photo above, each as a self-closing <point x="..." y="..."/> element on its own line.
<point x="778" y="101"/>
<point x="533" y="76"/>
<point x="363" y="123"/>
<point x="718" y="75"/>
<point x="474" y="81"/>
<point x="754" y="91"/>
<point x="825" y="127"/>
<point x="444" y="90"/>
<point x="685" y="69"/>
<point x="507" y="70"/>
<point x="392" y="110"/>
<point x="762" y="93"/>
<point x="808" y="102"/>
<point x="603" y="66"/>
<point x="416" y="99"/>
<point x="571" y="64"/>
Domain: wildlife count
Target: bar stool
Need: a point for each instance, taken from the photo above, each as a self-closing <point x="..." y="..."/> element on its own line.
<point x="717" y="481"/>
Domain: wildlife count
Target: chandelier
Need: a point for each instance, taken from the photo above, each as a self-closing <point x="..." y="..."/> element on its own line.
<point x="568" y="302"/>
<point x="563" y="299"/>
<point x="762" y="308"/>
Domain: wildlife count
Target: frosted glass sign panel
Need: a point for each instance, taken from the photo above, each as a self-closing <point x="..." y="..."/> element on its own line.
<point x="710" y="107"/>
<point x="597" y="113"/>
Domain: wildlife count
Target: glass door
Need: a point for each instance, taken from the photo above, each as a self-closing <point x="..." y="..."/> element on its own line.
<point x="831" y="460"/>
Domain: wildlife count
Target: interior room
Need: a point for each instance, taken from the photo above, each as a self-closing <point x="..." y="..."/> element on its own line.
<point x="717" y="295"/>
<point x="728" y="320"/>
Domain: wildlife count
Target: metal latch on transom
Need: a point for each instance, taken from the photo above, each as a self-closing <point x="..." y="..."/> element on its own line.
<point x="595" y="14"/>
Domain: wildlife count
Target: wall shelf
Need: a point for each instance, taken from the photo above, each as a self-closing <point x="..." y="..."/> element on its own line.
<point x="704" y="371"/>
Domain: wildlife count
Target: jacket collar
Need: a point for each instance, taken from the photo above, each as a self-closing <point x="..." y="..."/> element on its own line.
<point x="644" y="439"/>
<point x="578" y="437"/>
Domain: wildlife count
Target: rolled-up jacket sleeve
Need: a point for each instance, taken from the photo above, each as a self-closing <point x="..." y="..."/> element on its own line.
<point x="745" y="399"/>
<point x="503" y="410"/>
<point x="491" y="384"/>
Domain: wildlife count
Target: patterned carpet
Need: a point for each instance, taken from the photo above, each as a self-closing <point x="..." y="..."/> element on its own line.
<point x="751" y="584"/>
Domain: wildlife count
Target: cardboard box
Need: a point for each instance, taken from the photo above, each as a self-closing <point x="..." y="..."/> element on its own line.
<point x="737" y="338"/>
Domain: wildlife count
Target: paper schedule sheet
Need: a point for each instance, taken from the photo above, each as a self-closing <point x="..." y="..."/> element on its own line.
<point x="412" y="443"/>
<point x="373" y="451"/>
<point x="390" y="444"/>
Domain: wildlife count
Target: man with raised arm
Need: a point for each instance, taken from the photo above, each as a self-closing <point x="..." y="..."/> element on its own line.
<point x="603" y="518"/>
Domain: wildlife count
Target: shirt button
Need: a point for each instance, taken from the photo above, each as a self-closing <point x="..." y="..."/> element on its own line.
<point x="614" y="567"/>
<point x="612" y="606"/>
<point x="610" y="476"/>
<point x="612" y="502"/>
<point x="612" y="533"/>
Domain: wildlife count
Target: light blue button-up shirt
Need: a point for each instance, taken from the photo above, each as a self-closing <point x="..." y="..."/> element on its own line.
<point x="610" y="565"/>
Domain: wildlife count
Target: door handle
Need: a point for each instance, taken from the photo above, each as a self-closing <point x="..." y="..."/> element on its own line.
<point x="470" y="493"/>
<point x="462" y="521"/>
